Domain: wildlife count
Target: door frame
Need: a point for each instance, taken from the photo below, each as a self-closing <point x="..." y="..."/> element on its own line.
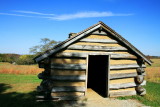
<point x="108" y="73"/>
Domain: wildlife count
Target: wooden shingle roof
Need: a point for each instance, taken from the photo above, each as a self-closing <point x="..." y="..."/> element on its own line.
<point x="81" y="34"/>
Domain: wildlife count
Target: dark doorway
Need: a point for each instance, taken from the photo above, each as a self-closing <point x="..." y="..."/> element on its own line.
<point x="98" y="74"/>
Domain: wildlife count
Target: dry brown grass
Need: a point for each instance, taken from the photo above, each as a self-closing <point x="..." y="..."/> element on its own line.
<point x="7" y="68"/>
<point x="153" y="72"/>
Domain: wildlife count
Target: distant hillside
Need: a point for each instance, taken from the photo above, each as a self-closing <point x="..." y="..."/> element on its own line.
<point x="8" y="57"/>
<point x="17" y="59"/>
<point x="152" y="57"/>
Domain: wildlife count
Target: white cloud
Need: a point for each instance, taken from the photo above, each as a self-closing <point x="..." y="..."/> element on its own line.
<point x="32" y="12"/>
<point x="12" y="14"/>
<point x="86" y="15"/>
<point x="89" y="14"/>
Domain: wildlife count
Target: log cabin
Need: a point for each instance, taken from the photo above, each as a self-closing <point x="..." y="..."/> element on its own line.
<point x="97" y="58"/>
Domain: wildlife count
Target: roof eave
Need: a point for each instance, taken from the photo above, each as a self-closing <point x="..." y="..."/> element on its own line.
<point x="45" y="55"/>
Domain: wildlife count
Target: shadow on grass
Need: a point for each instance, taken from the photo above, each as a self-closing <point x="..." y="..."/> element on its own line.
<point x="16" y="99"/>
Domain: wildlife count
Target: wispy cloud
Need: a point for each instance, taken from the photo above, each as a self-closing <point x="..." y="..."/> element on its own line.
<point x="32" y="12"/>
<point x="86" y="15"/>
<point x="89" y="14"/>
<point x="12" y="14"/>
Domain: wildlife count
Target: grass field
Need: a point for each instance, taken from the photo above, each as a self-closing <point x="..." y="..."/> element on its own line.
<point x="20" y="91"/>
<point x="152" y="98"/>
<point x="18" y="86"/>
<point x="7" y="68"/>
<point x="153" y="72"/>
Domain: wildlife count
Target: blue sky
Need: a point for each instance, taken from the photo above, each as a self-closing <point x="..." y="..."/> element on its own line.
<point x="24" y="22"/>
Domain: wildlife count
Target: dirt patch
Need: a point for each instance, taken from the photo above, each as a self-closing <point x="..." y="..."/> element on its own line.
<point x="95" y="100"/>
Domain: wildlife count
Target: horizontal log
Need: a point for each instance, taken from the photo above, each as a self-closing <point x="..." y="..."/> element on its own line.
<point x="67" y="72"/>
<point x="69" y="78"/>
<point x="140" y="89"/>
<point x="125" y="66"/>
<point x="122" y="61"/>
<point x="68" y="97"/>
<point x="122" y="93"/>
<point x="68" y="61"/>
<point x="97" y="44"/>
<point x="69" y="66"/>
<point x="68" y="94"/>
<point x="55" y="98"/>
<point x="68" y="83"/>
<point x="85" y="54"/>
<point x="97" y="48"/>
<point x="125" y="85"/>
<point x="140" y="70"/>
<point x="122" y="75"/>
<point x="121" y="81"/>
<point x="125" y="75"/>
<point x="99" y="33"/>
<point x="68" y="89"/>
<point x="123" y="71"/>
<point x="95" y="36"/>
<point x="143" y="93"/>
<point x="139" y="79"/>
<point x="99" y="40"/>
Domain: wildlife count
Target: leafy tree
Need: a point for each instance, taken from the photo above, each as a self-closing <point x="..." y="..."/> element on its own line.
<point x="46" y="44"/>
<point x="25" y="60"/>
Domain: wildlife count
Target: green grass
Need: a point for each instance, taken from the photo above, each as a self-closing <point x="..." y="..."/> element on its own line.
<point x="13" y="78"/>
<point x="152" y="98"/>
<point x="20" y="91"/>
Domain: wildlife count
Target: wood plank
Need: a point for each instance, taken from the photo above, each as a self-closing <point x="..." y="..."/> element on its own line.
<point x="123" y="71"/>
<point x="98" y="37"/>
<point x="125" y="85"/>
<point x="68" y="78"/>
<point x="69" y="66"/>
<point x="122" y="93"/>
<point x="67" y="72"/>
<point x="108" y="41"/>
<point x="96" y="48"/>
<point x="99" y="33"/>
<point x="67" y="83"/>
<point x="123" y="80"/>
<point x="97" y="44"/>
<point x="87" y="51"/>
<point x="68" y="94"/>
<point x="124" y="75"/>
<point x="72" y="98"/>
<point x="122" y="61"/>
<point x="125" y="66"/>
<point x="68" y="61"/>
<point x="55" y="98"/>
<point x="85" y="54"/>
<point x="68" y="89"/>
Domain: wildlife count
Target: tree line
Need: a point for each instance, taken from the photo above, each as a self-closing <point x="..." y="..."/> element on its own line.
<point x="45" y="44"/>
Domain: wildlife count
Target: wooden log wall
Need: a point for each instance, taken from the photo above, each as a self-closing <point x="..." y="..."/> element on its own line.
<point x="68" y="67"/>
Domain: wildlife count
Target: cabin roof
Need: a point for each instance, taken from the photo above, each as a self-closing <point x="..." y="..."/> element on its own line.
<point x="81" y="34"/>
